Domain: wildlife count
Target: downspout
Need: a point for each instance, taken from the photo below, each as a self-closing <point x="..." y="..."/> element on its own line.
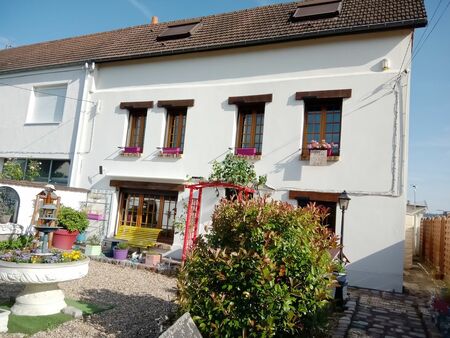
<point x="77" y="162"/>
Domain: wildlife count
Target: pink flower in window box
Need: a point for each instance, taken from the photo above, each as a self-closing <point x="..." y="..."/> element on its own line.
<point x="246" y="151"/>
<point x="132" y="150"/>
<point x="323" y="145"/>
<point x="171" y="151"/>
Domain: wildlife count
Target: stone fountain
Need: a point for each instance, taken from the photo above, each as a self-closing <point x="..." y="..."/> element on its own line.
<point x="41" y="295"/>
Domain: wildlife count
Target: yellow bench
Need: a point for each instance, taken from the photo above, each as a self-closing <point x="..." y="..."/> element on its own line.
<point x="137" y="236"/>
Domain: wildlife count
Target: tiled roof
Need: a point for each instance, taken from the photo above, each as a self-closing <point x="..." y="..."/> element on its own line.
<point x="261" y="25"/>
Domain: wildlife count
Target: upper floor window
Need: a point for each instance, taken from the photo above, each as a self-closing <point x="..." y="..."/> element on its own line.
<point x="47" y="104"/>
<point x="322" y="120"/>
<point x="136" y="126"/>
<point x="323" y="123"/>
<point x="176" y="126"/>
<point x="251" y="126"/>
<point x="136" y="129"/>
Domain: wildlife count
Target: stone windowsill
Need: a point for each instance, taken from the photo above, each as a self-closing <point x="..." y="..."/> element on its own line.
<point x="161" y="154"/>
<point x="329" y="158"/>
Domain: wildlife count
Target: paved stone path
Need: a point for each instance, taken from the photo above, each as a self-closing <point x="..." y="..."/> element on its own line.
<point x="371" y="313"/>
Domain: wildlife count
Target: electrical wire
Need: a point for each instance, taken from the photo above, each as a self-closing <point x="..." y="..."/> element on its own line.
<point x="42" y="92"/>
<point x="429" y="34"/>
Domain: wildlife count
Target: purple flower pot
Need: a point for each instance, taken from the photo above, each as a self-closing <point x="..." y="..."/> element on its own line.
<point x="171" y="151"/>
<point x="120" y="254"/>
<point x="132" y="150"/>
<point x="246" y="151"/>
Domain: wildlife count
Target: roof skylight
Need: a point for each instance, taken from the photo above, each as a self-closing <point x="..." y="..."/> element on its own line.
<point x="317" y="9"/>
<point x="179" y="31"/>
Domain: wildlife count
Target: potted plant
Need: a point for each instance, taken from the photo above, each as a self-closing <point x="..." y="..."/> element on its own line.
<point x="93" y="246"/>
<point x="73" y="222"/>
<point x="120" y="251"/>
<point x="152" y="258"/>
<point x="340" y="274"/>
<point x="6" y="210"/>
<point x="236" y="170"/>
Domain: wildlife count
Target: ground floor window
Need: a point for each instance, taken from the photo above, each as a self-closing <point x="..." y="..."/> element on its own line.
<point x="38" y="170"/>
<point x="330" y="220"/>
<point x="149" y="209"/>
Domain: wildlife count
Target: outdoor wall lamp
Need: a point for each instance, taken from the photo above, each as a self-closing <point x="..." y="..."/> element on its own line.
<point x="343" y="200"/>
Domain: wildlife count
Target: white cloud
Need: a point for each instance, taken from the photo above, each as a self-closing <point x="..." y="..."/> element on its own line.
<point x="141" y="8"/>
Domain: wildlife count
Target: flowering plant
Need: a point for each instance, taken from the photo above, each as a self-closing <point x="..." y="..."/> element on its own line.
<point x="27" y="256"/>
<point x="322" y="145"/>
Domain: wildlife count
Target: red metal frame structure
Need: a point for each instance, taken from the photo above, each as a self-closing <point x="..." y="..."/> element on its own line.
<point x="194" y="206"/>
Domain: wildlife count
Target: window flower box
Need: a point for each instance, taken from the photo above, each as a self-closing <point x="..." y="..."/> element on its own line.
<point x="95" y="217"/>
<point x="246" y="151"/>
<point x="132" y="151"/>
<point x="321" y="152"/>
<point x="171" y="152"/>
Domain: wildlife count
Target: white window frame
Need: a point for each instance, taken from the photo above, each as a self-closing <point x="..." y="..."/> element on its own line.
<point x="33" y="115"/>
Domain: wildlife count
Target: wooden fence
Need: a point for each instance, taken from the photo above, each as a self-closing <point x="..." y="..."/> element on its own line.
<point x="435" y="244"/>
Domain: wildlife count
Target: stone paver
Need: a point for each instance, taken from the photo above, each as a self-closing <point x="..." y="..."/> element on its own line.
<point x="372" y="313"/>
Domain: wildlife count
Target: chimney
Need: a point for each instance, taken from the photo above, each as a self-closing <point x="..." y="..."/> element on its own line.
<point x="154" y="20"/>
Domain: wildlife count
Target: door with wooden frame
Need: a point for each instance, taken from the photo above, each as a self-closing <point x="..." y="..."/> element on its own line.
<point x="149" y="209"/>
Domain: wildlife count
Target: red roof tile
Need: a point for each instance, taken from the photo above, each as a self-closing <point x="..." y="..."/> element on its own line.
<point x="261" y="25"/>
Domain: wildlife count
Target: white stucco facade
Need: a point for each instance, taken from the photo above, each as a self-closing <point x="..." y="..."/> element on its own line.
<point x="372" y="163"/>
<point x="22" y="136"/>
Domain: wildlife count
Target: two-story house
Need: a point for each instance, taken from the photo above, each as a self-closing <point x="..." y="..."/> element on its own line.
<point x="172" y="97"/>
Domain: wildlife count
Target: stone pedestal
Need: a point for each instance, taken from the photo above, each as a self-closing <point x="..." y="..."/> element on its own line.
<point x="39" y="300"/>
<point x="4" y="317"/>
<point x="41" y="295"/>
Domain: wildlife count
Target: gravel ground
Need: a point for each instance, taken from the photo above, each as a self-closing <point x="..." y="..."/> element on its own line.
<point x="139" y="298"/>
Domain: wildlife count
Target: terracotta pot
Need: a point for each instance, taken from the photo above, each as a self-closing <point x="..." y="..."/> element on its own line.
<point x="152" y="260"/>
<point x="5" y="218"/>
<point x="64" y="239"/>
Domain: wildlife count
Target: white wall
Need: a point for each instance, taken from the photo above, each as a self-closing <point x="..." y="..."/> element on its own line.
<point x="370" y="165"/>
<point x="28" y="194"/>
<point x="45" y="141"/>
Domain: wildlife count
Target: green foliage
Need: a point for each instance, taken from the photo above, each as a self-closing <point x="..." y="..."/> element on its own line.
<point x="94" y="240"/>
<point x="72" y="220"/>
<point x="20" y="243"/>
<point x="263" y="271"/>
<point x="236" y="170"/>
<point x="33" y="170"/>
<point x="122" y="246"/>
<point x="12" y="170"/>
<point x="6" y="205"/>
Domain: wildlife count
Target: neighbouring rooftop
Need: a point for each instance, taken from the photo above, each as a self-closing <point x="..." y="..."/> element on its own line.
<point x="261" y="25"/>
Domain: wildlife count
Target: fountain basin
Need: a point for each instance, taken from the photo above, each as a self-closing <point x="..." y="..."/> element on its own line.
<point x="41" y="295"/>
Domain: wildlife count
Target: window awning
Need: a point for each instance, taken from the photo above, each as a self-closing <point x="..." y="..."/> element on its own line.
<point x="151" y="183"/>
<point x="314" y="196"/>
<point x="250" y="99"/>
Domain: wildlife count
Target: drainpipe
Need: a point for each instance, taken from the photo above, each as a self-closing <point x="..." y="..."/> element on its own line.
<point x="84" y="108"/>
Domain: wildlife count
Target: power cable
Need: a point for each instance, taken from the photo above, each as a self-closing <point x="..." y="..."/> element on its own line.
<point x="429" y="34"/>
<point x="42" y="92"/>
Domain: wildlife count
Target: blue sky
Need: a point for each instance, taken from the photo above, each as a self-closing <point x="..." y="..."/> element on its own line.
<point x="30" y="21"/>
